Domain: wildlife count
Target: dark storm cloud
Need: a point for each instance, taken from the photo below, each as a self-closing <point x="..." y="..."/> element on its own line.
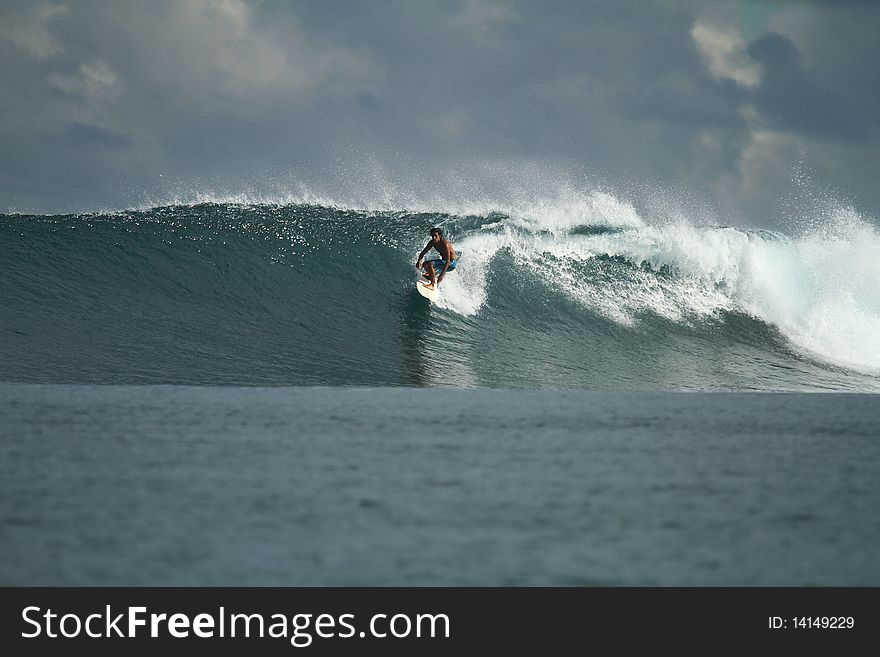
<point x="794" y="100"/>
<point x="106" y="102"/>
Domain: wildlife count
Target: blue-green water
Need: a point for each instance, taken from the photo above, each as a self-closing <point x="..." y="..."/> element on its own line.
<point x="228" y="395"/>
<point x="305" y="295"/>
<point x="168" y="485"/>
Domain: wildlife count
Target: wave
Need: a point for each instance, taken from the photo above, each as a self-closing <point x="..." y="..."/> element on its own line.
<point x="583" y="292"/>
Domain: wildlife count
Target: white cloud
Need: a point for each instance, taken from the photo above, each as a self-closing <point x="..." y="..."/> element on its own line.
<point x="725" y="53"/>
<point x="226" y="48"/>
<point x="28" y="28"/>
<point x="765" y="162"/>
<point x="95" y="81"/>
<point x="246" y="59"/>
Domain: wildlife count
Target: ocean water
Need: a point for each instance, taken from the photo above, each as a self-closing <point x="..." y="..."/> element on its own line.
<point x="206" y="485"/>
<point x="233" y="394"/>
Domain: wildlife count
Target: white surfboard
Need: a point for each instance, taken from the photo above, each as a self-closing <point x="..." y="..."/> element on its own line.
<point x="425" y="289"/>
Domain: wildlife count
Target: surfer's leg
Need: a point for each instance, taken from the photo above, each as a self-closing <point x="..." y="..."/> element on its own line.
<point x="429" y="267"/>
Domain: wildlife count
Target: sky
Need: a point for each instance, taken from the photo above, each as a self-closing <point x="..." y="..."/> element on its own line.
<point x="746" y="109"/>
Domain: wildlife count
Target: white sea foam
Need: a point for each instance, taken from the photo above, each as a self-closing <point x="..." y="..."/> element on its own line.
<point x="821" y="290"/>
<point x="464" y="292"/>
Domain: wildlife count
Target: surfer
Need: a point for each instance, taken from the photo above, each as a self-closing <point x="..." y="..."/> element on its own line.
<point x="446" y="261"/>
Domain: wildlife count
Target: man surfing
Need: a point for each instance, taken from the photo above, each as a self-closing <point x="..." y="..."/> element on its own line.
<point x="446" y="261"/>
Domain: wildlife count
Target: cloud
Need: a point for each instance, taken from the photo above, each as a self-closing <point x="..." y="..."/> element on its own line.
<point x="797" y="99"/>
<point x="760" y="161"/>
<point x="726" y="55"/>
<point x="221" y="44"/>
<point x="27" y="27"/>
<point x="681" y="94"/>
<point x="225" y="47"/>
<point x="95" y="81"/>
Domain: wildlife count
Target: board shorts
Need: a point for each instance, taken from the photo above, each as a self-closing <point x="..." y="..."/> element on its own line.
<point x="438" y="264"/>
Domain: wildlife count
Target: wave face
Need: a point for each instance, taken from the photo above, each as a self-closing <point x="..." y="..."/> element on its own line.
<point x="584" y="296"/>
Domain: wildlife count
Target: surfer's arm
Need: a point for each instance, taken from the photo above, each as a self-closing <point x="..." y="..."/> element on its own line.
<point x="422" y="254"/>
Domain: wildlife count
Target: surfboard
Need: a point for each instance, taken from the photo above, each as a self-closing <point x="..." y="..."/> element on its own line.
<point x="430" y="293"/>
